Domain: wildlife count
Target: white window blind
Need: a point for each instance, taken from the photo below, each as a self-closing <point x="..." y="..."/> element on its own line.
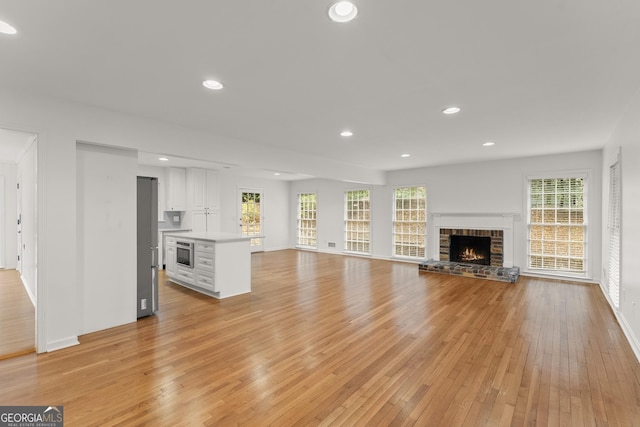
<point x="614" y="223"/>
<point x="557" y="225"/>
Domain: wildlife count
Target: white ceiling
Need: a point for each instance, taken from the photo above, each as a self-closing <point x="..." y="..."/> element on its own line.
<point x="535" y="77"/>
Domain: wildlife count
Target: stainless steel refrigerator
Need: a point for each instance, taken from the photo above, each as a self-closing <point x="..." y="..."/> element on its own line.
<point x="147" y="301"/>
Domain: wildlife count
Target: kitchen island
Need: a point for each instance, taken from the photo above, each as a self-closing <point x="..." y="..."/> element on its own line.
<point x="162" y="246"/>
<point x="218" y="264"/>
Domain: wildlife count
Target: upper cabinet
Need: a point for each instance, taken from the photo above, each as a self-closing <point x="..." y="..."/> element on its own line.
<point x="203" y="195"/>
<point x="176" y="185"/>
<point x="204" y="184"/>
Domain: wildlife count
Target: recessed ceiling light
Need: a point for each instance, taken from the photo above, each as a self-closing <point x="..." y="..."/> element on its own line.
<point x="163" y="159"/>
<point x="489" y="144"/>
<point x="405" y="155"/>
<point x="451" y="110"/>
<point x="212" y="84"/>
<point x="6" y="28"/>
<point x="343" y="11"/>
<point x="277" y="174"/>
<point x="346" y="133"/>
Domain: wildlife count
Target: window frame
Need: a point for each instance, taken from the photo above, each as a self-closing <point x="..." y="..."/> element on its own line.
<point x="346" y="222"/>
<point x="394" y="221"/>
<point x="299" y="221"/>
<point x="587" y="250"/>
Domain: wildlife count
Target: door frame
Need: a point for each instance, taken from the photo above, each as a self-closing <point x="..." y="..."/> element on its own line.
<point x="257" y="245"/>
<point x="3" y="235"/>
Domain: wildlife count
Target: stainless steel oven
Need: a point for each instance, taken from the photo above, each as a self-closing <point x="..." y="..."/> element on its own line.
<point x="184" y="253"/>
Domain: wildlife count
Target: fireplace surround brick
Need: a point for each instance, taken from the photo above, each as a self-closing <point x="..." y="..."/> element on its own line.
<point x="494" y="271"/>
<point x="497" y="242"/>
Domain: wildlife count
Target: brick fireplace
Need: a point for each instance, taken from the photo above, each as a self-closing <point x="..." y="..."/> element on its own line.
<point x="497" y="226"/>
<point x="470" y="232"/>
<point x="496" y="243"/>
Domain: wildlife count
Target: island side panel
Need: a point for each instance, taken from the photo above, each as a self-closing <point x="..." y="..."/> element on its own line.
<point x="233" y="268"/>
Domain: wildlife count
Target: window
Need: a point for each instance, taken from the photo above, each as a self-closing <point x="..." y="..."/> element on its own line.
<point x="307" y="220"/>
<point x="252" y="216"/>
<point x="615" y="219"/>
<point x="410" y="221"/>
<point x="557" y="225"/>
<point x="357" y="210"/>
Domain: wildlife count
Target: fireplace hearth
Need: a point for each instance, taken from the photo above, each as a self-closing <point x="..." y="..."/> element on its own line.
<point x="498" y="227"/>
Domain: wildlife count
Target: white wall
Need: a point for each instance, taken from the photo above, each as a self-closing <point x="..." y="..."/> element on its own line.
<point x="8" y="252"/>
<point x="626" y="138"/>
<point x="106" y="248"/>
<point x="152" y="171"/>
<point x="500" y="187"/>
<point x="483" y="187"/>
<point x="27" y="171"/>
<point x="275" y="207"/>
<point x="330" y="214"/>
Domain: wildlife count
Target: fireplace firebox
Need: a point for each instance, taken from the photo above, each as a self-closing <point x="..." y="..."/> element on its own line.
<point x="470" y="249"/>
<point x="495" y="250"/>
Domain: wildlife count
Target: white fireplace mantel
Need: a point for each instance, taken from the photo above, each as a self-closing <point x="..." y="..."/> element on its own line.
<point x="474" y="221"/>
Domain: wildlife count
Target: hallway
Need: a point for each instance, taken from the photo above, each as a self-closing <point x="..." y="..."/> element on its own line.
<point x="17" y="317"/>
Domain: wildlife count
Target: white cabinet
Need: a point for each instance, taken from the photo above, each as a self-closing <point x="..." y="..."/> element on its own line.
<point x="206" y="280"/>
<point x="186" y="275"/>
<point x="164" y="242"/>
<point x="205" y="221"/>
<point x="203" y="193"/>
<point x="176" y="186"/>
<point x="171" y="260"/>
<point x="205" y="265"/>
<point x="162" y="199"/>
<point x="205" y="189"/>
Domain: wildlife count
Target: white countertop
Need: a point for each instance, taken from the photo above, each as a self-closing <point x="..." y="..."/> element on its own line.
<point x="214" y="237"/>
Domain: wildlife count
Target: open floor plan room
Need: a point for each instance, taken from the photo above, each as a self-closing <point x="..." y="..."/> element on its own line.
<point x="327" y="339"/>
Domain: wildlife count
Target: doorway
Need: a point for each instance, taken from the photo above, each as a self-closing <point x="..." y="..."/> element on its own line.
<point x="2" y="223"/>
<point x="252" y="216"/>
<point x="18" y="301"/>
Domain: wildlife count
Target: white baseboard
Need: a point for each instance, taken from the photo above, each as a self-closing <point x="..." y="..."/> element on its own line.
<point x="28" y="289"/>
<point x="556" y="277"/>
<point x="624" y="325"/>
<point x="62" y="343"/>
<point x="322" y="251"/>
<point x="373" y="256"/>
<point x="628" y="332"/>
<point x="276" y="248"/>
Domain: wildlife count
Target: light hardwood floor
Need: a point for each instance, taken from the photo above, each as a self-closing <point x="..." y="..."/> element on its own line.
<point x="17" y="317"/>
<point x="332" y="340"/>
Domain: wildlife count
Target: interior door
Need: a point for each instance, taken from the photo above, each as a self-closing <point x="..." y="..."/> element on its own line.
<point x="252" y="216"/>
